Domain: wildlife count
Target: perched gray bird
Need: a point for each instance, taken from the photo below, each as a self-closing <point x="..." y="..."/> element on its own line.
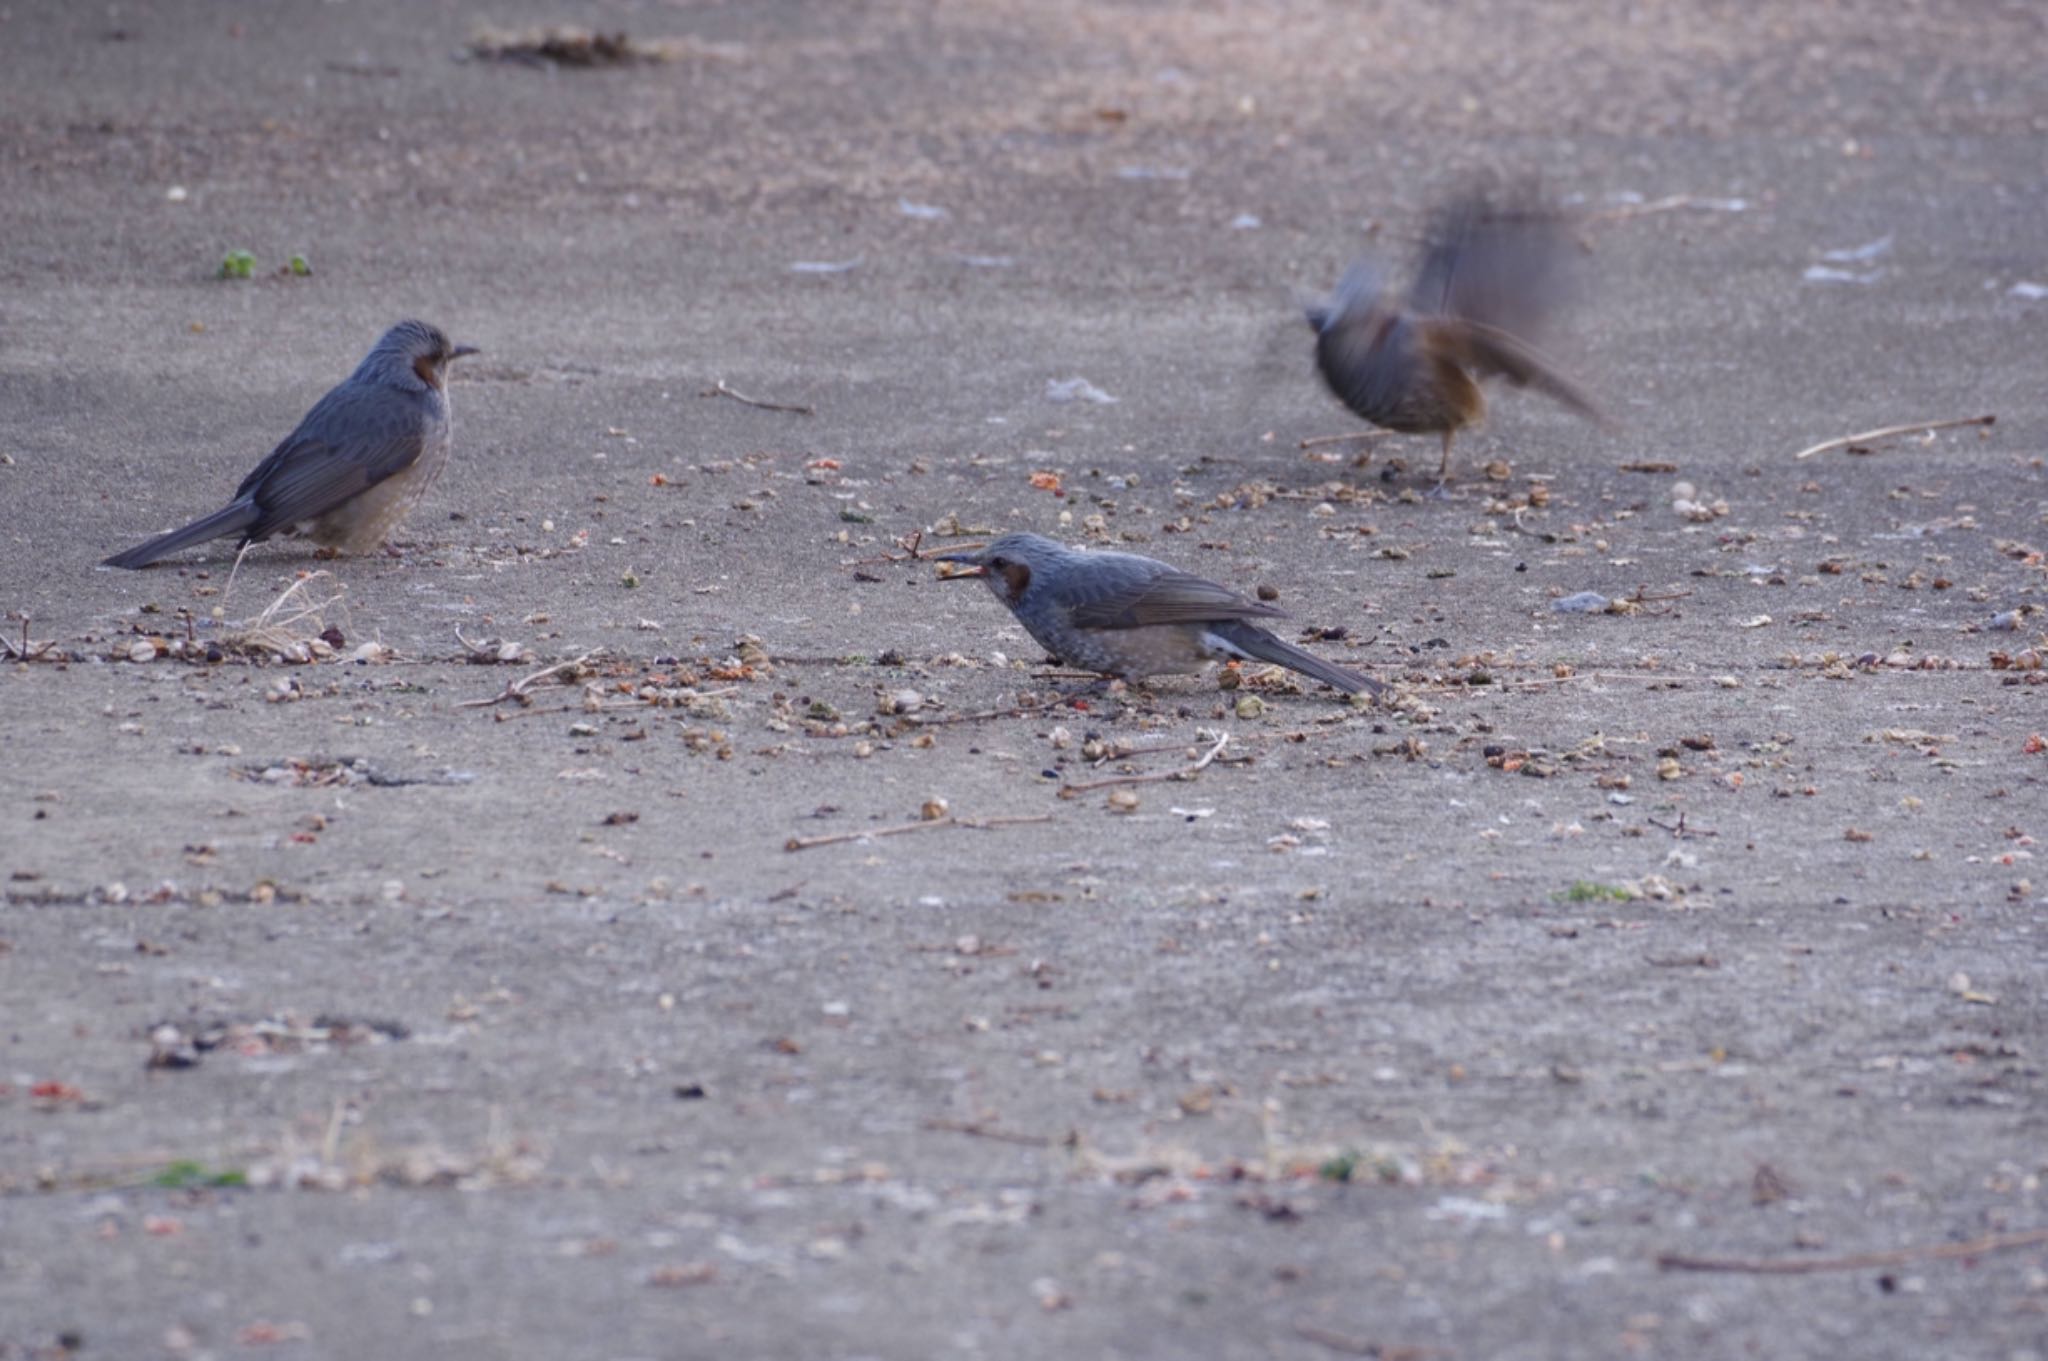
<point x="1490" y="279"/>
<point x="358" y="463"/>
<point x="1125" y="615"/>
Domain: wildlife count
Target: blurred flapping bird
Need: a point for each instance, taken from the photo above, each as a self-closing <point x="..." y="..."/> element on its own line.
<point x="1491" y="278"/>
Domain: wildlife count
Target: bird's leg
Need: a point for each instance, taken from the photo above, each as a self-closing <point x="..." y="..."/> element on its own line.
<point x="1440" y="491"/>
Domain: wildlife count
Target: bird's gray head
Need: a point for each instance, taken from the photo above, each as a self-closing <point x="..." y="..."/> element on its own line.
<point x="1362" y="286"/>
<point x="411" y="355"/>
<point x="1009" y="564"/>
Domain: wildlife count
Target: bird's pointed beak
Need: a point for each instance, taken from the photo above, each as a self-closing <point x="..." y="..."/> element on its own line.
<point x="460" y="350"/>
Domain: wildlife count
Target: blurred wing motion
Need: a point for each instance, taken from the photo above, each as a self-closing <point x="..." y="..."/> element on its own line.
<point x="1490" y="351"/>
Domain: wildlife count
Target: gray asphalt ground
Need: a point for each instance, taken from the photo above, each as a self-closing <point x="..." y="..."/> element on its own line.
<point x="346" y="1016"/>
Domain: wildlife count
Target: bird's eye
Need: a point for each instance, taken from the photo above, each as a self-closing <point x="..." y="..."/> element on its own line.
<point x="998" y="563"/>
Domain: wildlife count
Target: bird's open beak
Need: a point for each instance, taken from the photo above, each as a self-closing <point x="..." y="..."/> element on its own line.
<point x="962" y="564"/>
<point x="461" y="350"/>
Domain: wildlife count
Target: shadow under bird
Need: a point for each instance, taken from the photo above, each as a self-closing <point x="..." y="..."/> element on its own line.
<point x="358" y="463"/>
<point x="1129" y="616"/>
<point x="1489" y="282"/>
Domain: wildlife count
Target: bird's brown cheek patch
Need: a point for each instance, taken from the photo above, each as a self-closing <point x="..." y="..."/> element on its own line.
<point x="424" y="367"/>
<point x="1016" y="576"/>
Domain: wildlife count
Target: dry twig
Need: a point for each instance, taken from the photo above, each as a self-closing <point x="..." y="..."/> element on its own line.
<point x="26" y="650"/>
<point x="1888" y="431"/>
<point x="948" y="720"/>
<point x="1856" y="1261"/>
<point x="805" y="843"/>
<point x="485" y="651"/>
<point x="1187" y="772"/>
<point x="1668" y="204"/>
<point x="517" y="689"/>
<point x="1317" y="441"/>
<point x="719" y="389"/>
<point x="911" y="544"/>
<point x="983" y="1131"/>
<point x="277" y="629"/>
<point x="1679" y="831"/>
<point x="1124" y="748"/>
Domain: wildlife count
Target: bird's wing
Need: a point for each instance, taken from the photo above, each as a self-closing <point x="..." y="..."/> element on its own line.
<point x="1505" y="265"/>
<point x="1490" y="350"/>
<point x="1166" y="597"/>
<point x="351" y="440"/>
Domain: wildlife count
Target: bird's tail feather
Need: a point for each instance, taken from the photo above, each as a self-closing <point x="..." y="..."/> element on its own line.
<point x="229" y="519"/>
<point x="1256" y="643"/>
<point x="1493" y="351"/>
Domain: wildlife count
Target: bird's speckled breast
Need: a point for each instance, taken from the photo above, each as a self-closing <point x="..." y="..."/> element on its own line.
<point x="363" y="525"/>
<point x="1159" y="649"/>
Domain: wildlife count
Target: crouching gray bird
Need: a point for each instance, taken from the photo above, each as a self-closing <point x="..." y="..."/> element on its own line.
<point x="359" y="462"/>
<point x="1490" y="280"/>
<point x="1131" y="616"/>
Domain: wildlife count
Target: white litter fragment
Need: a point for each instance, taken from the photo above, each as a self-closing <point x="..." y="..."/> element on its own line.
<point x="1065" y="390"/>
<point x="987" y="261"/>
<point x="1828" y="274"/>
<point x="923" y="212"/>
<point x="1629" y="198"/>
<point x="1246" y="222"/>
<point x="1465" y="1208"/>
<point x="1585" y="602"/>
<point x="1863" y="254"/>
<point x="2027" y="292"/>
<point x="826" y="266"/>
